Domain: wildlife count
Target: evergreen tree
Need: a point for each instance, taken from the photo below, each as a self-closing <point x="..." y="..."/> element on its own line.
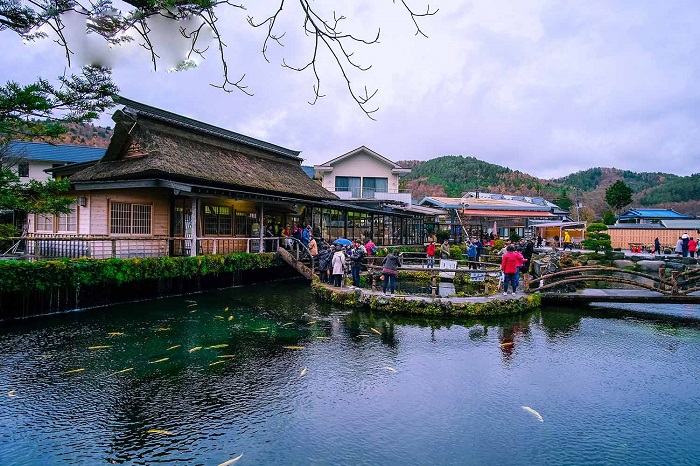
<point x="618" y="195"/>
<point x="608" y="218"/>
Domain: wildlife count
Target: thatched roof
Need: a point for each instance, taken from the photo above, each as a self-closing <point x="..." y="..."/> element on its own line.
<point x="152" y="143"/>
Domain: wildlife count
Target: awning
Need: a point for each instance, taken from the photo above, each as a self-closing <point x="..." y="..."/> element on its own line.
<point x="505" y="213"/>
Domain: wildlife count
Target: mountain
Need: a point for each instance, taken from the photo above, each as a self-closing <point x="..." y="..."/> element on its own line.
<point x="452" y="175"/>
<point x="83" y="134"/>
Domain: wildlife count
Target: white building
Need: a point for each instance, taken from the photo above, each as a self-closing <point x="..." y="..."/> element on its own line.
<point x="362" y="174"/>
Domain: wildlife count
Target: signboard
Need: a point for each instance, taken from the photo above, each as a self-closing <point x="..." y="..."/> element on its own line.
<point x="477" y="276"/>
<point x="448" y="264"/>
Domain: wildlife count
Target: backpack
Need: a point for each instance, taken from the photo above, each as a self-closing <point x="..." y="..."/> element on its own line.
<point x="373" y="250"/>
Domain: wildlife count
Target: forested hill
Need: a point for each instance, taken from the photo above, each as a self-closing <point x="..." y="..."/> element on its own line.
<point x="452" y="175"/>
<point x="84" y="134"/>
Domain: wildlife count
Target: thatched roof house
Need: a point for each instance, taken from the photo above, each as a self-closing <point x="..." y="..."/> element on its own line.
<point x="154" y="147"/>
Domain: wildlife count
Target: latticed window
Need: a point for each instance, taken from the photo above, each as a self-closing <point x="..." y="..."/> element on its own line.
<point x="43" y="222"/>
<point x="244" y="223"/>
<point x="68" y="223"/>
<point x="134" y="219"/>
<point x="218" y="220"/>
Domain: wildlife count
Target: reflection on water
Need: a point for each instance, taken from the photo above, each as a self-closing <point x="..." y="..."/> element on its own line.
<point x="270" y="373"/>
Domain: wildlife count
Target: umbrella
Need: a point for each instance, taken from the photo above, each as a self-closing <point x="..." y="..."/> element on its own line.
<point x="342" y="242"/>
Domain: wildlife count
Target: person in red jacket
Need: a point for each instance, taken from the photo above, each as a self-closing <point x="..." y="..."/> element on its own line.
<point x="509" y="265"/>
<point x="431" y="255"/>
<point x="692" y="247"/>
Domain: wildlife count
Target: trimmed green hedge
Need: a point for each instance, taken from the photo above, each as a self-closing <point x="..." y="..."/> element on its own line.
<point x="42" y="275"/>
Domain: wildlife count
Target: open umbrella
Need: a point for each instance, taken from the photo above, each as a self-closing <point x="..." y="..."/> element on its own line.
<point x="342" y="242"/>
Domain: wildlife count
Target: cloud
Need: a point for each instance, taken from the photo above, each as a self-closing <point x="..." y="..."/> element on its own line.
<point x="544" y="87"/>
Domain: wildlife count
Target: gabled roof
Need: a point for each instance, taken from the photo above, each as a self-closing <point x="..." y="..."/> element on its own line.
<point x="137" y="108"/>
<point x="396" y="168"/>
<point x="146" y="147"/>
<point x="652" y="214"/>
<point x="442" y="202"/>
<point x="59" y="153"/>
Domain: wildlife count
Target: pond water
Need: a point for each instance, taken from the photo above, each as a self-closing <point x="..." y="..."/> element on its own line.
<point x="301" y="382"/>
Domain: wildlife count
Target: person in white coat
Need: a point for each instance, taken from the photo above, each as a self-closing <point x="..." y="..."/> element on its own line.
<point x="338" y="263"/>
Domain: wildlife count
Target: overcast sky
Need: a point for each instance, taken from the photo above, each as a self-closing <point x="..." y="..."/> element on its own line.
<point x="545" y="87"/>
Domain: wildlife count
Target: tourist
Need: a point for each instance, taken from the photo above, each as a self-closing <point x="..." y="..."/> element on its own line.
<point x="445" y="249"/>
<point x="472" y="254"/>
<point x="392" y="262"/>
<point x="313" y="247"/>
<point x="370" y="247"/>
<point x="504" y="249"/>
<point x="679" y="246"/>
<point x="269" y="242"/>
<point x="685" y="241"/>
<point x="521" y="262"/>
<point x="338" y="265"/>
<point x="430" y="253"/>
<point x="306" y="235"/>
<point x="509" y="267"/>
<point x="324" y="263"/>
<point x="539" y="240"/>
<point x="567" y="241"/>
<point x="432" y="238"/>
<point x="528" y="250"/>
<point x="657" y="246"/>
<point x="357" y="255"/>
<point x="287" y="234"/>
<point x="692" y="247"/>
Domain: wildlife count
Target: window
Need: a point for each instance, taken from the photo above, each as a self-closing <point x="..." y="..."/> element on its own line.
<point x="218" y="220"/>
<point x="244" y="223"/>
<point x="348" y="183"/>
<point x="374" y="185"/>
<point x="128" y="219"/>
<point x="23" y="169"/>
<point x="44" y="222"/>
<point x="68" y="223"/>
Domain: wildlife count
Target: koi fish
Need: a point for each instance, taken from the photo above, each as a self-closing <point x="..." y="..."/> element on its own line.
<point x="115" y="333"/>
<point x="219" y="317"/>
<point x="173" y="347"/>
<point x="196" y="348"/>
<point x="216" y="362"/>
<point x="129" y="369"/>
<point x="507" y="343"/>
<point x="303" y="372"/>
<point x="263" y="328"/>
<point x="375" y="331"/>
<point x="389" y="368"/>
<point x="287" y="323"/>
<point x="534" y="413"/>
<point x="312" y="322"/>
<point x="225" y="356"/>
<point x="231" y="461"/>
<point x="362" y="335"/>
<point x="323" y="338"/>
<point x="293" y="347"/>
<point x="222" y="345"/>
<point x="230" y="317"/>
<point x="192" y="305"/>
<point x="74" y="371"/>
<point x="163" y="329"/>
<point x="11" y="393"/>
<point x="192" y="312"/>
<point x="159" y="431"/>
<point x="99" y="347"/>
<point x="158" y="360"/>
<point x="190" y="301"/>
<point x="226" y="309"/>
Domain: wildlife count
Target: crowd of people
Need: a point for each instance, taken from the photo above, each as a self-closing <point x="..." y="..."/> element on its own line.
<point x="686" y="246"/>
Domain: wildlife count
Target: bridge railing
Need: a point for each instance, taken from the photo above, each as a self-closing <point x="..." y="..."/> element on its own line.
<point x="667" y="281"/>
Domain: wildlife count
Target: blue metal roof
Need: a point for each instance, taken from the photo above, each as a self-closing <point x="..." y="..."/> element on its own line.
<point x="653" y="214"/>
<point x="55" y="153"/>
<point x="309" y="170"/>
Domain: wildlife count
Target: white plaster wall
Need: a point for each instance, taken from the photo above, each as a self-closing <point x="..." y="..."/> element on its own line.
<point x="361" y="165"/>
<point x="36" y="171"/>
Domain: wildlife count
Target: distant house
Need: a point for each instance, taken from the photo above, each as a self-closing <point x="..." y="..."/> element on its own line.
<point x="30" y="160"/>
<point x="623" y="235"/>
<point x="650" y="216"/>
<point x="478" y="213"/>
<point x="361" y="175"/>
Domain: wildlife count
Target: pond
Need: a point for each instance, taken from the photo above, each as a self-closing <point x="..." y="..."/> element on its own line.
<point x="269" y="373"/>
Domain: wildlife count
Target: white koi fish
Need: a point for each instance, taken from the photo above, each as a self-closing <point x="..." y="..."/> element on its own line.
<point x="534" y="413"/>
<point x="389" y="368"/>
<point x="303" y="372"/>
<point x="158" y="360"/>
<point x="222" y="345"/>
<point x="196" y="348"/>
<point x="159" y="431"/>
<point x="231" y="461"/>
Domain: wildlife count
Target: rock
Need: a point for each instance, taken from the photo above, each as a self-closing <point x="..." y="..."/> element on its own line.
<point x="593" y="262"/>
<point x="621" y="264"/>
<point x="651" y="265"/>
<point x="614" y="255"/>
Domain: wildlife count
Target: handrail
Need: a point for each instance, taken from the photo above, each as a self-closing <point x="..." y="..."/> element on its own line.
<point x="302" y="249"/>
